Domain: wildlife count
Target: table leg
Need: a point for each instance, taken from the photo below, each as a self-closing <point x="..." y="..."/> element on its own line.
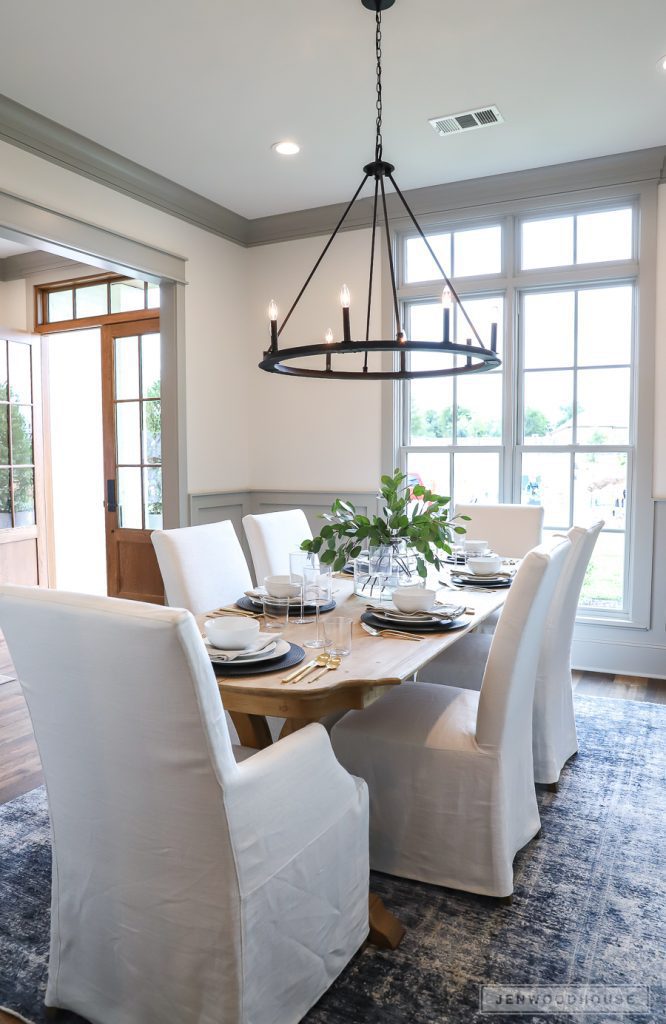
<point x="252" y="730"/>
<point x="385" y="929"/>
<point x="293" y="725"/>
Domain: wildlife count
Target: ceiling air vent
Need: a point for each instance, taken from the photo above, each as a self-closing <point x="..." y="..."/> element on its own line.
<point x="466" y="121"/>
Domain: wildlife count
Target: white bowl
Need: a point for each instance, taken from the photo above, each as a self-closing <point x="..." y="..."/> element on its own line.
<point x="414" y="599"/>
<point x="281" y="586"/>
<point x="475" y="547"/>
<point x="484" y="565"/>
<point x="232" y="632"/>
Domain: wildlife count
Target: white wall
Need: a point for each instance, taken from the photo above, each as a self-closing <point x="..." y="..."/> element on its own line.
<point x="311" y="434"/>
<point x="13" y="305"/>
<point x="215" y="315"/>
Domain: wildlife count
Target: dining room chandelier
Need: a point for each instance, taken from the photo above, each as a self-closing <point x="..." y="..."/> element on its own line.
<point x="456" y="358"/>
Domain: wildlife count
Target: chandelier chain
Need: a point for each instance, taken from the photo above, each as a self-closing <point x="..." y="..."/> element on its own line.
<point x="379" y="143"/>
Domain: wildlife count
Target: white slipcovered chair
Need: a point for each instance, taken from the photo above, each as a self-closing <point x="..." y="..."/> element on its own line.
<point x="449" y="770"/>
<point x="203" y="567"/>
<point x="511" y="530"/>
<point x="271" y="537"/>
<point x="554" y="737"/>
<point x="186" y="887"/>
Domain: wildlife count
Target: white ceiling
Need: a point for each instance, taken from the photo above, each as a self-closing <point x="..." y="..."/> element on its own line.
<point x="200" y="90"/>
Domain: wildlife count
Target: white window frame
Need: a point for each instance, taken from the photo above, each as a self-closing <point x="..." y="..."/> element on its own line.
<point x="514" y="283"/>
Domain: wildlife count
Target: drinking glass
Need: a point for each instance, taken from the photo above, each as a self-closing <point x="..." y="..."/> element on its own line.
<point x="298" y="560"/>
<point x="317" y="590"/>
<point x="338" y="633"/>
<point x="276" y="613"/>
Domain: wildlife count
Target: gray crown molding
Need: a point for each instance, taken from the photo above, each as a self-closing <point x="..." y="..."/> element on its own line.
<point x="560" y="179"/>
<point x="26" y="264"/>
<point x="37" y="134"/>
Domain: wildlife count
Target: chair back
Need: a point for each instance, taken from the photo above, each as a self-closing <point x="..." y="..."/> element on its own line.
<point x="272" y="536"/>
<point x="511" y="530"/>
<point x="136" y="753"/>
<point x="507" y="690"/>
<point x="203" y="567"/>
<point x="554" y="736"/>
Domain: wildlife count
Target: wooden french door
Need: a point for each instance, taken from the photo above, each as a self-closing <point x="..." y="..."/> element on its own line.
<point x="131" y="412"/>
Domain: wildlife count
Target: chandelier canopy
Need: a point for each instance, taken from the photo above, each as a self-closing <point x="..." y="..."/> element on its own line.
<point x="472" y="356"/>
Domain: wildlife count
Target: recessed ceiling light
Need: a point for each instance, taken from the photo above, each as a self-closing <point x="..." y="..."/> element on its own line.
<point x="661" y="63"/>
<point x="286" y="148"/>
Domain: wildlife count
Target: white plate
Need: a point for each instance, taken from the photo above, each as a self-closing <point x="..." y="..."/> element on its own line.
<point x="422" y="618"/>
<point x="281" y="648"/>
<point x="267" y="649"/>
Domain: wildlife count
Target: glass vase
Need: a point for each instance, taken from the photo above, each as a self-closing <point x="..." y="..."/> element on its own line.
<point x="379" y="570"/>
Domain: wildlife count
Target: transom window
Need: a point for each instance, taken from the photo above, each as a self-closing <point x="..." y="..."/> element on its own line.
<point x="94" y="298"/>
<point x="554" y="425"/>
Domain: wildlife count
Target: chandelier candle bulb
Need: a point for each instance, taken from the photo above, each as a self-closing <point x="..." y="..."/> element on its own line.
<point x="446" y="309"/>
<point x="328" y="338"/>
<point x="272" y="316"/>
<point x="345" y="299"/>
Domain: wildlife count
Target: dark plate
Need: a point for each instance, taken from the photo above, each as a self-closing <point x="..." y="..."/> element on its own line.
<point x="481" y="581"/>
<point x="459" y="560"/>
<point x="249" y="605"/>
<point x="405" y="627"/>
<point x="231" y="668"/>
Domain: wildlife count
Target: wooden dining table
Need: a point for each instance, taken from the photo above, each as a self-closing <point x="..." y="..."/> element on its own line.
<point x="374" y="665"/>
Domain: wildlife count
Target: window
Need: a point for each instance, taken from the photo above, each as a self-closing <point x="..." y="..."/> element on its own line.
<point x="94" y="298"/>
<point x="17" y="458"/>
<point x="555" y="424"/>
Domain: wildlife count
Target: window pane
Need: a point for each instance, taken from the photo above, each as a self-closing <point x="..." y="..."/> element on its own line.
<point x="4" y="435"/>
<point x="126" y="359"/>
<point x="548" y="407"/>
<point x="128" y="433"/>
<point x="91" y="301"/>
<point x="479" y="409"/>
<point x="545" y="480"/>
<point x="3" y="369"/>
<point x="152" y="432"/>
<point x="482" y="313"/>
<point x="129" y="498"/>
<point x="604" y="236"/>
<point x="547" y="243"/>
<point x="420" y="265"/>
<point x="152" y="483"/>
<point x="548" y="329"/>
<point x="431" y="470"/>
<point x="603" y="406"/>
<point x="604" y="580"/>
<point x="150" y="365"/>
<point x="21" y="453"/>
<point x="604" y="325"/>
<point x="20" y="375"/>
<point x="431" y="420"/>
<point x="477" y="252"/>
<point x="600" y="488"/>
<point x="60" y="305"/>
<point x="24" y="497"/>
<point x="476" y="478"/>
<point x="426" y="321"/>
<point x="5" y="500"/>
<point x="127" y="295"/>
<point x="153" y="296"/>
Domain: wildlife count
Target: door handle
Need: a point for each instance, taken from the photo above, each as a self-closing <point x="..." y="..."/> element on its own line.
<point x="111" y="496"/>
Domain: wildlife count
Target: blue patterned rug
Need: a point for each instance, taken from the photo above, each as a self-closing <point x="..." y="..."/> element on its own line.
<point x="588" y="907"/>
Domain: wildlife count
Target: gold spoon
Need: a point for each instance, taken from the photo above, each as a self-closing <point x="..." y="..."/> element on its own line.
<point x="295" y="677"/>
<point x="333" y="662"/>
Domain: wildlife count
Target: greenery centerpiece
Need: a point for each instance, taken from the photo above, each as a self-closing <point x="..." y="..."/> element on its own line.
<point x="412" y="532"/>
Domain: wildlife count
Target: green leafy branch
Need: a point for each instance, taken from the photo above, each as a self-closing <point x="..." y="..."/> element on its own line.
<point x="415" y="515"/>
